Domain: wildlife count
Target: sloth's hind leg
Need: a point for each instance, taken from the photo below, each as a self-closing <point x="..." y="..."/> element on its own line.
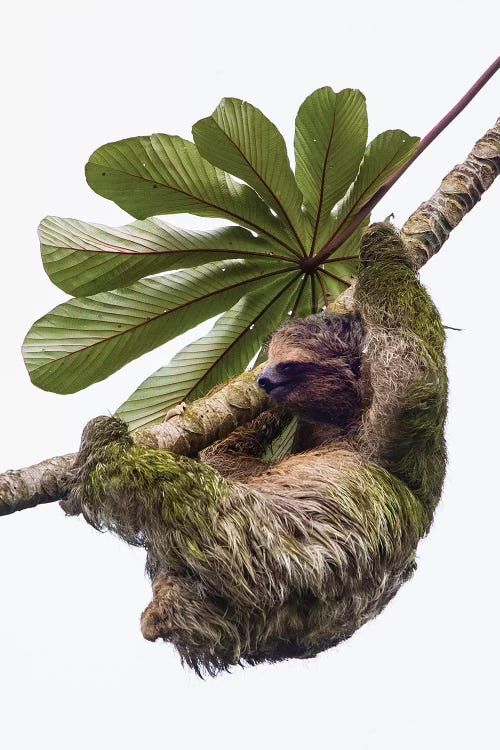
<point x="183" y="614"/>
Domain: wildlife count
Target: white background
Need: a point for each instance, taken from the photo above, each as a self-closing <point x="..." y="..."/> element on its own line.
<point x="74" y="669"/>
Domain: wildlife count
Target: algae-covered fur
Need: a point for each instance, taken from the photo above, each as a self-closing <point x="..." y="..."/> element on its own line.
<point x="287" y="560"/>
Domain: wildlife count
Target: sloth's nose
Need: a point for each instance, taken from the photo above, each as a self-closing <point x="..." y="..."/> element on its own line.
<point x="266" y="383"/>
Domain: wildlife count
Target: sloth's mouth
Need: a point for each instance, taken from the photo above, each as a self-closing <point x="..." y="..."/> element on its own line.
<point x="279" y="390"/>
<point x="273" y="386"/>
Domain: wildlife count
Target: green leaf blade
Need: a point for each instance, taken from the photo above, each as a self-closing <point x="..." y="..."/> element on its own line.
<point x="309" y="298"/>
<point x="330" y="138"/>
<point x="86" y="339"/>
<point x="384" y="155"/>
<point x="241" y="140"/>
<point x="164" y="174"/>
<point x="282" y="445"/>
<point x="84" y="259"/>
<point x="341" y="268"/>
<point x="221" y="354"/>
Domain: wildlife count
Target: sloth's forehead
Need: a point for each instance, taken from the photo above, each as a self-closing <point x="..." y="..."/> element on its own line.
<point x="280" y="352"/>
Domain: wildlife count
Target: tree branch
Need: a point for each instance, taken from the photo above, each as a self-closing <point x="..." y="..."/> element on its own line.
<point x="239" y="401"/>
<point x="210" y="418"/>
<point x="204" y="422"/>
<point x="428" y="228"/>
<point x="34" y="485"/>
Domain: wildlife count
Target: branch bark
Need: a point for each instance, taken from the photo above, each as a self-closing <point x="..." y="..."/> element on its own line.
<point x="239" y="401"/>
<point x="34" y="485"/>
<point x="428" y="228"/>
<point x="204" y="422"/>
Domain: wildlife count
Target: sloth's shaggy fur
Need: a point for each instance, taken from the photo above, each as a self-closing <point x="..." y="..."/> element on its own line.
<point x="297" y="556"/>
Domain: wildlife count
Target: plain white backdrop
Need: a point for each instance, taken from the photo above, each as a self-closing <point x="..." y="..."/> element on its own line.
<point x="74" y="669"/>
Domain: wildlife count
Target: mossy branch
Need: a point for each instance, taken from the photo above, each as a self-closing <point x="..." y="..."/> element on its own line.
<point x="204" y="421"/>
<point x="210" y="418"/>
<point x="239" y="401"/>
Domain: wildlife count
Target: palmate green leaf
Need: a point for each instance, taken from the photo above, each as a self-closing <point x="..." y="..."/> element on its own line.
<point x="252" y="271"/>
<point x="338" y="272"/>
<point x="332" y="283"/>
<point x="85" y="259"/>
<point x="349" y="250"/>
<point x="221" y="354"/>
<point x="310" y="297"/>
<point x="330" y="279"/>
<point x="330" y="139"/>
<point x="383" y="156"/>
<point x="240" y="139"/>
<point x="165" y="174"/>
<point x="86" y="339"/>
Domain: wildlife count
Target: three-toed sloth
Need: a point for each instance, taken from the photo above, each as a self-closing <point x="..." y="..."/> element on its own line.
<point x="252" y="562"/>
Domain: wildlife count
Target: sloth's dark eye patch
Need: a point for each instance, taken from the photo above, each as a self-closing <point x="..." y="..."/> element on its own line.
<point x="296" y="369"/>
<point x="288" y="368"/>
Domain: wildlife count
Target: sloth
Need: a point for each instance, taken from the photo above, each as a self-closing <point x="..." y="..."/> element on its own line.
<point x="254" y="562"/>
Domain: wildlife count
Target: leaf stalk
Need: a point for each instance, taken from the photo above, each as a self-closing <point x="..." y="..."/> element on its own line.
<point x="338" y="239"/>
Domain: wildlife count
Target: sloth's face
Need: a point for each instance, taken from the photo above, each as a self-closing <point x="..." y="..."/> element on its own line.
<point x="325" y="392"/>
<point x="314" y="369"/>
